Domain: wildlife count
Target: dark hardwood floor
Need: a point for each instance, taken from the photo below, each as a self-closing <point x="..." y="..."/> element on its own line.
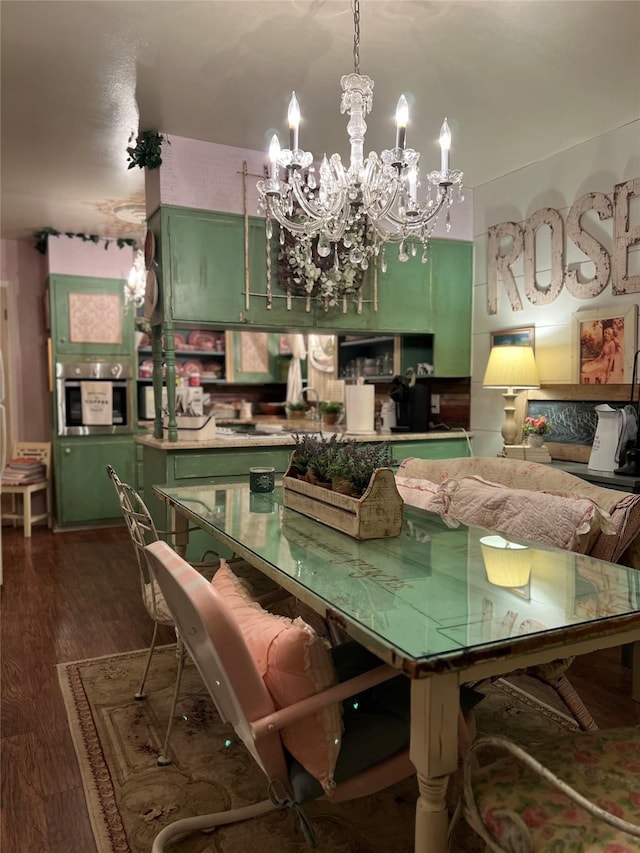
<point x="68" y="596"/>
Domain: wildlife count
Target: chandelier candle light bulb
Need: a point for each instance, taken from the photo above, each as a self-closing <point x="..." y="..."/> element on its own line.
<point x="402" y="119"/>
<point x="294" y="121"/>
<point x="445" y="147"/>
<point x="274" y="155"/>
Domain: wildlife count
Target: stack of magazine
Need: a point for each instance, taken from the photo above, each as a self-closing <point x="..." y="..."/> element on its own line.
<point x="22" y="471"/>
<point x="523" y="451"/>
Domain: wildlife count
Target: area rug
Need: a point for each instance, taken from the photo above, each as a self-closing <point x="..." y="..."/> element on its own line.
<point x="130" y="798"/>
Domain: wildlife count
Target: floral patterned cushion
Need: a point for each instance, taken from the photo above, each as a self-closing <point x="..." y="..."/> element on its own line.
<point x="604" y="767"/>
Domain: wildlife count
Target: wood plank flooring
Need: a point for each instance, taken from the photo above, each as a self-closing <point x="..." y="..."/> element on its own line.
<point x="74" y="595"/>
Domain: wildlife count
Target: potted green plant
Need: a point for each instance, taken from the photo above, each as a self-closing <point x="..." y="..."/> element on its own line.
<point x="330" y="410"/>
<point x="296" y="410"/>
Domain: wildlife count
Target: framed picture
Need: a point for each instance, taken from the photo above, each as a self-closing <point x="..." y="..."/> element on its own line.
<point x="524" y="337"/>
<point x="605" y="343"/>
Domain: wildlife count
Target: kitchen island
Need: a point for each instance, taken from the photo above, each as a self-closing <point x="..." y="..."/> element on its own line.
<point x="228" y="458"/>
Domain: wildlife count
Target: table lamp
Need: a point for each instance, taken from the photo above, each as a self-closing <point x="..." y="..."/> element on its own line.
<point x="511" y="367"/>
<point x="506" y="563"/>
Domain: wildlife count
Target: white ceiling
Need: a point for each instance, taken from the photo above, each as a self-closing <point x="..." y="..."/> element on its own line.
<point x="518" y="80"/>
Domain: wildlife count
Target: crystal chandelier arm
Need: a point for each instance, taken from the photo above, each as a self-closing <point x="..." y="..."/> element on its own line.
<point x="407" y="227"/>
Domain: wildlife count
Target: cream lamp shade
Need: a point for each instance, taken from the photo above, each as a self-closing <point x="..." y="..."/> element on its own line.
<point x="506" y="563"/>
<point x="511" y="367"/>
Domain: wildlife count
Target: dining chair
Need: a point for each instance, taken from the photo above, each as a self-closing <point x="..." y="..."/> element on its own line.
<point x="224" y="651"/>
<point x="577" y="791"/>
<point x="142" y="531"/>
<point x="22" y="493"/>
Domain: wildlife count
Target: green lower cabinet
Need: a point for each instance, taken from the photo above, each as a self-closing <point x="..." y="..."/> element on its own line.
<point x="84" y="492"/>
<point x="231" y="465"/>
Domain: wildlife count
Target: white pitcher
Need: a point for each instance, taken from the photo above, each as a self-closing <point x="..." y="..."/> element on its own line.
<point x="611" y="424"/>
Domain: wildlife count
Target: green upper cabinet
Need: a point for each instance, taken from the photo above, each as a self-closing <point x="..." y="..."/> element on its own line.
<point x="204" y="272"/>
<point x="404" y="294"/>
<point x="451" y="293"/>
<point x="203" y="253"/>
<point x="88" y="316"/>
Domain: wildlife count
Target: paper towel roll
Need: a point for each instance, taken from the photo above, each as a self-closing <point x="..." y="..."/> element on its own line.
<point x="360" y="401"/>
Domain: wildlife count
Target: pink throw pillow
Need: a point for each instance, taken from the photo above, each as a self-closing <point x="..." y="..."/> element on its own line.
<point x="294" y="664"/>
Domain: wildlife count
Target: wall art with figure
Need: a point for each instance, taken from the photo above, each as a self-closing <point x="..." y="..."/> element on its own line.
<point x="606" y="345"/>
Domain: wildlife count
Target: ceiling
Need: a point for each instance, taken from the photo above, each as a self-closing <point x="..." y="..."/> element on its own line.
<point x="519" y="80"/>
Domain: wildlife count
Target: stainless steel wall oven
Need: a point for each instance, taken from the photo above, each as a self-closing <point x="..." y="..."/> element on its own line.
<point x="94" y="397"/>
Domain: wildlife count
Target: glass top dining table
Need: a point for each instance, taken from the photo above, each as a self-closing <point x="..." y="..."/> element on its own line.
<point x="428" y="602"/>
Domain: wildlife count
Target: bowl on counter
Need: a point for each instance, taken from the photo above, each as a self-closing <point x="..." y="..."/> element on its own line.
<point x="269" y="408"/>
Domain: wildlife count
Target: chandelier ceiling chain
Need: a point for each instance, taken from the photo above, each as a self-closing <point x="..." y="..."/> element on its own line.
<point x="356" y="35"/>
<point x="373" y="201"/>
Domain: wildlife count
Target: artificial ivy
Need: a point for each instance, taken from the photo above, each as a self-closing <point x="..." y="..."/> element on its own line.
<point x="42" y="237"/>
<point x="147" y="151"/>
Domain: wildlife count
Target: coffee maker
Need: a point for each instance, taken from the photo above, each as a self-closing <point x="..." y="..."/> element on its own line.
<point x="413" y="403"/>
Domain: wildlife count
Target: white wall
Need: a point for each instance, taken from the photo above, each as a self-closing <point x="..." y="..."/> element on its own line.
<point x="557" y="182"/>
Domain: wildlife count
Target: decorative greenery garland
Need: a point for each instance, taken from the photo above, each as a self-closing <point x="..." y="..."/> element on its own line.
<point x="147" y="151"/>
<point x="42" y="237"/>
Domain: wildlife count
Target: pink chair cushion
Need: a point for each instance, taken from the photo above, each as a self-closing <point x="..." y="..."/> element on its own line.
<point x="559" y="520"/>
<point x="295" y="664"/>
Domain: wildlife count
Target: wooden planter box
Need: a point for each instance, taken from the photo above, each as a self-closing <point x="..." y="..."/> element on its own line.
<point x="376" y="515"/>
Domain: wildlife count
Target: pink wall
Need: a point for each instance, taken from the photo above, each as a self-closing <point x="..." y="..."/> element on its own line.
<point x="24" y="273"/>
<point x="68" y="256"/>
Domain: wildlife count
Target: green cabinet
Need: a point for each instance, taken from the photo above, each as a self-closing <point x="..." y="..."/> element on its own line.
<point x="253" y="357"/>
<point x="89" y="322"/>
<point x="207" y="259"/>
<point x="88" y="316"/>
<point x="84" y="493"/>
<point x="451" y="293"/>
<point x="202" y="266"/>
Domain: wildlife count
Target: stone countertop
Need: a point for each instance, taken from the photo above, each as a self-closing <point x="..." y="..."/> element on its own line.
<point x="286" y="438"/>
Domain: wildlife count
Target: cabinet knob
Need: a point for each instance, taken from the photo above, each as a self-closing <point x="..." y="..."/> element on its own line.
<point x="67" y="450"/>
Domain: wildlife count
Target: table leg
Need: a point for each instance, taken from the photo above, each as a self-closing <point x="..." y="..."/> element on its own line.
<point x="180" y="527"/>
<point x="635" y="672"/>
<point x="434" y="752"/>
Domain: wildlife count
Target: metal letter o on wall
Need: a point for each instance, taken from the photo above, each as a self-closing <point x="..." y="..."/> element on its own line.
<point x="536" y="294"/>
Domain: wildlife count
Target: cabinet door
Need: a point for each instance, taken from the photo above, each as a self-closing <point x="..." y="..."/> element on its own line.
<point x="452" y="287"/>
<point x="405" y="299"/>
<point x="88" y="316"/>
<point x="252" y="356"/>
<point x="84" y="492"/>
<point x="205" y="278"/>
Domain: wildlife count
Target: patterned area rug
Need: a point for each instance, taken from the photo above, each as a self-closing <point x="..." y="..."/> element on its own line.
<point x="130" y="798"/>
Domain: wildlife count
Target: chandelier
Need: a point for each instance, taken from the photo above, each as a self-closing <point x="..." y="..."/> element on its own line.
<point x="376" y="198"/>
